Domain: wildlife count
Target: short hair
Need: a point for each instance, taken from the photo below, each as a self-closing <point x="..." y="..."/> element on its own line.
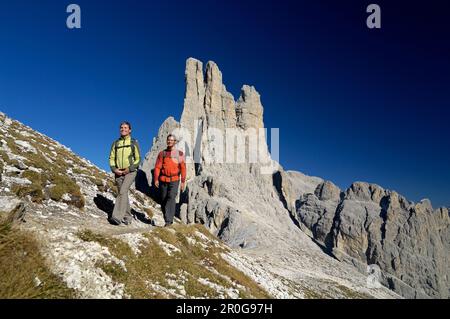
<point x="171" y="135"/>
<point x="125" y="123"/>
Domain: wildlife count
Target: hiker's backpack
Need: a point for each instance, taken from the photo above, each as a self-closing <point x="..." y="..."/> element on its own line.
<point x="166" y="170"/>
<point x="133" y="145"/>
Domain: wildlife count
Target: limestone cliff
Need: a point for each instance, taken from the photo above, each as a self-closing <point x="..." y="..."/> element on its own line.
<point x="247" y="207"/>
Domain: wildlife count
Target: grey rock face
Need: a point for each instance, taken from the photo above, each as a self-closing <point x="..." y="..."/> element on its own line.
<point x="327" y="191"/>
<point x="249" y="110"/>
<point x="370" y="225"/>
<point x="362" y="225"/>
<point x="219" y="103"/>
<point x="194" y="96"/>
<point x="315" y="212"/>
<point x="292" y="185"/>
<point x="234" y="200"/>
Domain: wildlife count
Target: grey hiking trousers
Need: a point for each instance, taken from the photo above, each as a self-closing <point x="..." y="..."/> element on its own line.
<point x="168" y="197"/>
<point x="122" y="210"/>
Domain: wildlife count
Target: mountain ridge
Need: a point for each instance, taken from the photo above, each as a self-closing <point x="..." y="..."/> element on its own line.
<point x="62" y="202"/>
<point x="229" y="195"/>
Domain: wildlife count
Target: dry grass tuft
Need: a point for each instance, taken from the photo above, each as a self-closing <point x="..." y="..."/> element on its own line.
<point x="154" y="265"/>
<point x="25" y="273"/>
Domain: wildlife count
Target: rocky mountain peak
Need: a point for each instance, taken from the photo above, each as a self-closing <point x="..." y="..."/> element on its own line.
<point x="320" y="208"/>
<point x="207" y="99"/>
<point x="327" y="191"/>
<point x="372" y="225"/>
<point x="364" y="224"/>
<point x="193" y="109"/>
<point x="237" y="201"/>
<point x="424" y="206"/>
<point x="249" y="110"/>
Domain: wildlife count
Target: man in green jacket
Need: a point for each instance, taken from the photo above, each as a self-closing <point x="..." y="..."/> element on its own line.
<point x="124" y="160"/>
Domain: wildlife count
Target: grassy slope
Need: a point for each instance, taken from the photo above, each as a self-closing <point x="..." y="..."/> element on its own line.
<point x="21" y="261"/>
<point x="24" y="270"/>
<point x="156" y="266"/>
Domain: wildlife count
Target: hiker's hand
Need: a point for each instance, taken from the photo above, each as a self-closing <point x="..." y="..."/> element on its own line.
<point x="183" y="186"/>
<point x="118" y="172"/>
<point x="157" y="184"/>
<point x="126" y="171"/>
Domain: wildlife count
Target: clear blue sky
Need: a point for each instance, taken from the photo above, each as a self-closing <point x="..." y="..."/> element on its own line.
<point x="351" y="103"/>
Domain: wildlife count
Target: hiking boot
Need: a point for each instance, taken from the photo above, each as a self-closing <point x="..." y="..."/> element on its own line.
<point x="126" y="221"/>
<point x="114" y="221"/>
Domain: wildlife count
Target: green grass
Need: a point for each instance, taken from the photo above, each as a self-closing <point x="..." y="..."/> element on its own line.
<point x="6" y="160"/>
<point x="111" y="186"/>
<point x="21" y="263"/>
<point x="80" y="171"/>
<point x="65" y="185"/>
<point x="4" y="156"/>
<point x="96" y="181"/>
<point x="38" y="160"/>
<point x="153" y="264"/>
<point x="33" y="190"/>
<point x="12" y="145"/>
<point x="54" y="173"/>
<point x="312" y="294"/>
<point x="33" y="177"/>
<point x="62" y="184"/>
<point x="98" y="178"/>
<point x="88" y="235"/>
<point x="149" y="212"/>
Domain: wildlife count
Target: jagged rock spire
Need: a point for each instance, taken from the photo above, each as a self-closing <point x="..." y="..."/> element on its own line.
<point x="362" y="225"/>
<point x="206" y="98"/>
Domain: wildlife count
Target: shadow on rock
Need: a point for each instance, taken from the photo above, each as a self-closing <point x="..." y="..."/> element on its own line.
<point x="107" y="206"/>
<point x="143" y="186"/>
<point x="142" y="217"/>
<point x="104" y="204"/>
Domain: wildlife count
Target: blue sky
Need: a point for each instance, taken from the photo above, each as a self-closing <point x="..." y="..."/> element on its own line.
<point x="351" y="103"/>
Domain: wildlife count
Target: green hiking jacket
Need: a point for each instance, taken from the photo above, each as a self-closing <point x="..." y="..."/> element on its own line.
<point x="125" y="153"/>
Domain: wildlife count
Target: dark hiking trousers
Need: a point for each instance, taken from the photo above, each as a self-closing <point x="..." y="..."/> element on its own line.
<point x="168" y="196"/>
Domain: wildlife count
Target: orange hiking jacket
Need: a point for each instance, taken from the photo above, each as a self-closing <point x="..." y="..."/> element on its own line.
<point x="169" y="166"/>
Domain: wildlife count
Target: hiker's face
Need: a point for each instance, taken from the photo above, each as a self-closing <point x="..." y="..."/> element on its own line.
<point x="170" y="142"/>
<point x="125" y="130"/>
